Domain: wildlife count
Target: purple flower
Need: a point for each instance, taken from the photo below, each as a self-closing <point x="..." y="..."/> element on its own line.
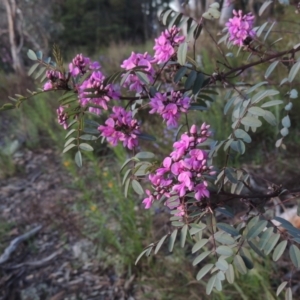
<point x="240" y="27"/>
<point x="105" y="92"/>
<point x="165" y="44"/>
<point x="201" y="191"/>
<point x="80" y="64"/>
<point x="62" y="117"/>
<point x="120" y="127"/>
<point x="182" y="171"/>
<point x="54" y="78"/>
<point x="148" y="201"/>
<point x="132" y="81"/>
<point x="170" y="106"/>
<point x="48" y="86"/>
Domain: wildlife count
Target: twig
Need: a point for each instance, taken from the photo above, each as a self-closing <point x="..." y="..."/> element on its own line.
<point x="15" y="242"/>
<point x="37" y="263"/>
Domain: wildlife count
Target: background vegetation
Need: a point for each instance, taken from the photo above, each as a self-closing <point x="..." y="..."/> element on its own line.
<point x="119" y="227"/>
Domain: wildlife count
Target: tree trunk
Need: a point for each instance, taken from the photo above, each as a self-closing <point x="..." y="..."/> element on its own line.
<point x="15" y="47"/>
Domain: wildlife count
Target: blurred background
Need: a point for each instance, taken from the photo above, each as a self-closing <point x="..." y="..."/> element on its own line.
<point x="91" y="235"/>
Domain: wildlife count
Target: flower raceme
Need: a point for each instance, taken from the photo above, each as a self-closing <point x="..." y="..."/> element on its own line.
<point x="170" y="106"/>
<point x="166" y="43"/>
<point x="101" y="94"/>
<point x="120" y="126"/>
<point x="240" y="27"/>
<point x="132" y="81"/>
<point x="182" y="172"/>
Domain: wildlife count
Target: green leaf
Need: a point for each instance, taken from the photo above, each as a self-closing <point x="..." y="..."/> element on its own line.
<point x="281" y="287"/>
<point x="265" y="237"/>
<point x="271" y="243"/>
<point x="177" y="223"/>
<point x="200" y="257"/>
<point x="127" y="161"/>
<point x="284" y="131"/>
<point x="86" y="147"/>
<point x="278" y="251"/>
<point x="238" y="146"/>
<point x="7" y="106"/>
<point x="78" y="159"/>
<point x="183" y="233"/>
<point x="256" y="229"/>
<point x="199" y="245"/>
<point x="230" y="274"/>
<point x="180" y="73"/>
<point x="31" y="55"/>
<point x="210" y="284"/>
<point x="159" y="244"/>
<point x="69" y="141"/>
<point x="224" y="250"/>
<point x="253" y="88"/>
<point x="204" y="271"/>
<point x="144" y="155"/>
<point x="239" y="264"/>
<point x="294" y="70"/>
<point x="270" y="118"/>
<point x="126" y="176"/>
<point x="251" y="121"/>
<point x="289" y="106"/>
<point x="227" y="228"/>
<point x="242" y="134"/>
<point x="263" y="7"/>
<point x="40" y="72"/>
<point x="295" y="255"/>
<point x="137" y="187"/>
<point x="230" y="175"/>
<point x="288" y="294"/>
<point x="286" y="122"/>
<point x="257" y="111"/>
<point x="195" y="228"/>
<point x="88" y="137"/>
<point x="227" y="211"/>
<point x="126" y="188"/>
<point x="261" y="29"/>
<point x="172" y="240"/>
<point x="225" y="239"/>
<point x="271" y="68"/>
<point x="140" y="256"/>
<point x="255" y="248"/>
<point x="222" y="264"/>
<point x="69" y="147"/>
<point x="164" y="15"/>
<point x="181" y="53"/>
<point x="293" y="94"/>
<point x="33" y="68"/>
<point x="190" y="80"/>
<point x="272" y="103"/>
<point x="198" y="83"/>
<point x="263" y="94"/>
<point x="143" y="77"/>
<point x="69" y="133"/>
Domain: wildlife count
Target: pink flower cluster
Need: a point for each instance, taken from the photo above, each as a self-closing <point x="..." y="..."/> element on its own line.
<point x="62" y="117"/>
<point x="120" y="126"/>
<point x="53" y="77"/>
<point x="132" y="81"/>
<point x="165" y="44"/>
<point x="240" y="27"/>
<point x="170" y="106"/>
<point x="80" y="64"/>
<point x="182" y="172"/>
<point x="99" y="93"/>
